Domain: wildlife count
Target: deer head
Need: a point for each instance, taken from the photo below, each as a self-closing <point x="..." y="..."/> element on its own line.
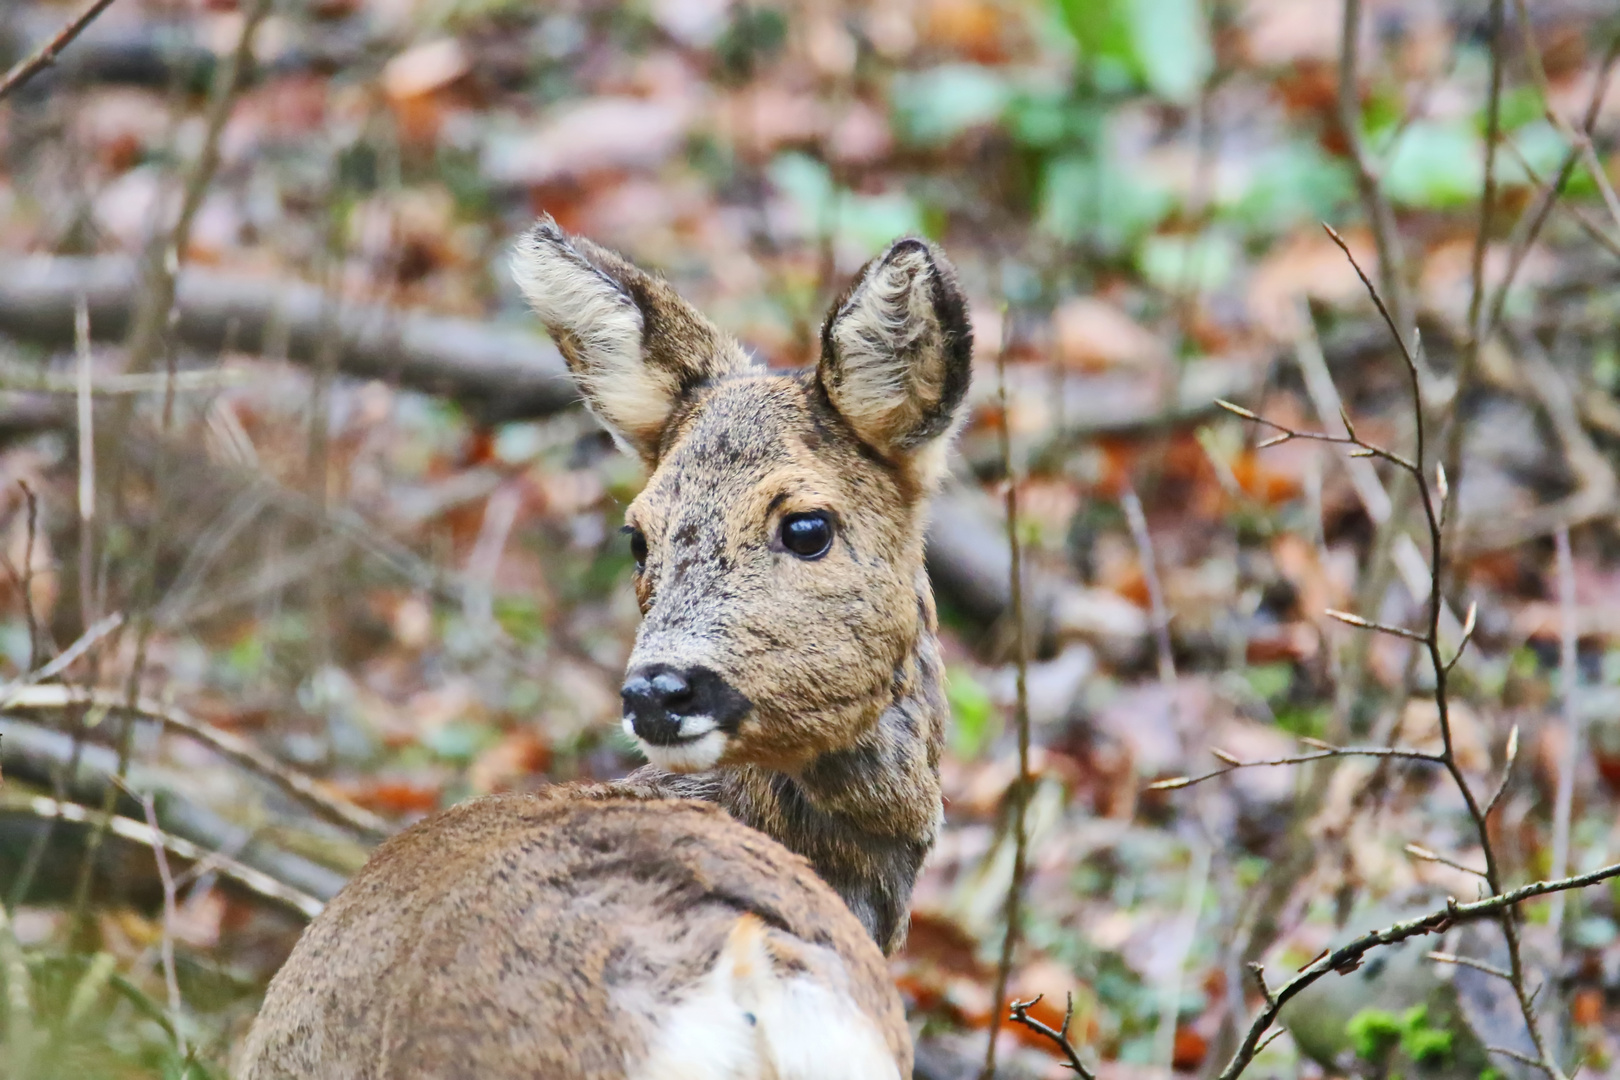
<point x="779" y="538"/>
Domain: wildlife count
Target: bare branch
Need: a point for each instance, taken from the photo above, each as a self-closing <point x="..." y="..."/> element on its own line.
<point x="1348" y="957"/>
<point x="1468" y="961"/>
<point x="1525" y="1059"/>
<point x="235" y="749"/>
<point x="1021" y="787"/>
<point x="1020" y="1015"/>
<point x="46" y="54"/>
<point x="1417" y="851"/>
<point x="1368" y="624"/>
<point x="1325" y="752"/>
<point x="255" y="881"/>
<point x="1508" y="759"/>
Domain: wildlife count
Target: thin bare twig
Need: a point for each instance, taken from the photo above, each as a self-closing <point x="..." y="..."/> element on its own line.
<point x="1380" y="215"/>
<point x="166" y="253"/>
<point x="171" y="983"/>
<point x="46" y="54"/>
<point x="1528" y="229"/>
<point x="1524" y="1059"/>
<point x="1326" y="752"/>
<point x="255" y="881"/>
<point x="1568" y="676"/>
<point x="237" y="750"/>
<point x="1432" y="499"/>
<point x="20" y="1036"/>
<point x="1059" y="1038"/>
<point x="1137" y="521"/>
<point x="1508" y="758"/>
<point x="1468" y="961"/>
<point x="1021" y="787"/>
<point x="1418" y="851"/>
<point x="1348" y="957"/>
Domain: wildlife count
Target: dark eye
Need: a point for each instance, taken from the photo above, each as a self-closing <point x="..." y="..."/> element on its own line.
<point x="807" y="535"/>
<point x="638" y="546"/>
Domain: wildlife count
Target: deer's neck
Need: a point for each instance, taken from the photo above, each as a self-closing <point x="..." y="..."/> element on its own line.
<point x="864" y="817"/>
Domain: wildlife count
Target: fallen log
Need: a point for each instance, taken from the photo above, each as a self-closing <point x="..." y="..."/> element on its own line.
<point x="496" y="374"/>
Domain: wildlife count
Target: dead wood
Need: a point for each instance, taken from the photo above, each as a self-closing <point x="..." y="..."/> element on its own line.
<point x="30" y="754"/>
<point x="496" y="374"/>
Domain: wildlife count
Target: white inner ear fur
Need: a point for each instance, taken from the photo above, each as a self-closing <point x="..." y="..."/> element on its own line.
<point x="891" y="351"/>
<point x="589" y="315"/>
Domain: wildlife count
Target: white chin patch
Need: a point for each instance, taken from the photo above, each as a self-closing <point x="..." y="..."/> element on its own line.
<point x="698" y="755"/>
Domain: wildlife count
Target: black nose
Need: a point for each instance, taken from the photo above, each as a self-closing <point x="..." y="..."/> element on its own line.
<point x="666" y="705"/>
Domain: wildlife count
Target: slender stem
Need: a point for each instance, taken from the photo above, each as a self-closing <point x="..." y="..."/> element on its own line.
<point x="1379" y="213"/>
<point x="1569" y="673"/>
<point x="1348" y="955"/>
<point x="46" y="54"/>
<point x="1021" y="787"/>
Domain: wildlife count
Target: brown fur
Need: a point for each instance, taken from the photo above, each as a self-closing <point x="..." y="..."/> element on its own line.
<point x="839" y="757"/>
<point x="545" y="936"/>
<point x="606" y="931"/>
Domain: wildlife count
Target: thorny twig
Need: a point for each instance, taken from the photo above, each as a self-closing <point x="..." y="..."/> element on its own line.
<point x="1058" y="1036"/>
<point x="46" y="54"/>
<point x="1021" y="787"/>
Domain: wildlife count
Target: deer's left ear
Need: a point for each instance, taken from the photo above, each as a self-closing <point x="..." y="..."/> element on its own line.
<point x="896" y="355"/>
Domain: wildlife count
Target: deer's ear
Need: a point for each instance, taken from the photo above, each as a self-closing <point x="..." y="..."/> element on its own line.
<point x="896" y="354"/>
<point x="635" y="348"/>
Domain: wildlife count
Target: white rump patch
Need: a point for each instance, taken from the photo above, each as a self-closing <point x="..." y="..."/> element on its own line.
<point x="589" y="314"/>
<point x="746" y="1022"/>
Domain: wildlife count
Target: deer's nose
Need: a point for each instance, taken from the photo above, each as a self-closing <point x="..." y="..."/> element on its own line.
<point x="667" y="705"/>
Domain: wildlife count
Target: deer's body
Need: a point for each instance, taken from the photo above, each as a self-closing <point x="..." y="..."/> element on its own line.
<point x="549" y="937"/>
<point x="786" y="669"/>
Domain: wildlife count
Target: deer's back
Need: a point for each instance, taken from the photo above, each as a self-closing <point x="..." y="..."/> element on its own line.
<point x="563" y="938"/>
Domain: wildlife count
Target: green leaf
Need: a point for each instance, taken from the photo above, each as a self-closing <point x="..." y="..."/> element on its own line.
<point x="935" y="106"/>
<point x="1540" y="145"/>
<point x="1374" y="1033"/>
<point x="1178" y="263"/>
<point x="1101" y="28"/>
<point x="1090" y="198"/>
<point x="1290" y="185"/>
<point x="864" y="221"/>
<point x="1163" y="44"/>
<point x="1436" y="166"/>
<point x="1270" y="681"/>
<point x="1172" y="47"/>
<point x="973" y="713"/>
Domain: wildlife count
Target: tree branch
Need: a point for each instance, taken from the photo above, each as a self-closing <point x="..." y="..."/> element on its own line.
<point x="46" y="54"/>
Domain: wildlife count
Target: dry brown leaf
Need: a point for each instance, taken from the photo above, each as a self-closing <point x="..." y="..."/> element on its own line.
<point x="426" y="68"/>
<point x="1093" y="333"/>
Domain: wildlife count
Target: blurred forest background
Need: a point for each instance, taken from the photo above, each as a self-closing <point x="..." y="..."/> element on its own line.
<point x="301" y="536"/>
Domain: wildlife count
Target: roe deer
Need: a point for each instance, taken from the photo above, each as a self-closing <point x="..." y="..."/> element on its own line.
<point x="786" y="669"/>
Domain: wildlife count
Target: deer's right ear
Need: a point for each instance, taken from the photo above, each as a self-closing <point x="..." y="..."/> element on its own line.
<point x="635" y="348"/>
<point x="896" y="355"/>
